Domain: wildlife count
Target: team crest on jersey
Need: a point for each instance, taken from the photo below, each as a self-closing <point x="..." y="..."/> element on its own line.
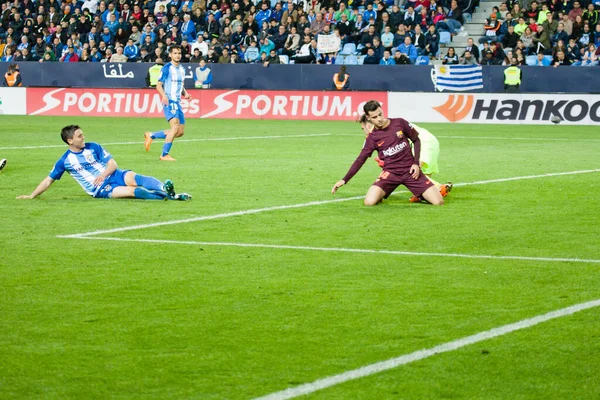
<point x="89" y="158"/>
<point x="399" y="134"/>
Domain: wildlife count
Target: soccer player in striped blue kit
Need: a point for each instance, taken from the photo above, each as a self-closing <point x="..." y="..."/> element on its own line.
<point x="170" y="87"/>
<point x="96" y="171"/>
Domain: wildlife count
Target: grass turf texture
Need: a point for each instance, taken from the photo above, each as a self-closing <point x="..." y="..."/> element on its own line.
<point x="98" y="319"/>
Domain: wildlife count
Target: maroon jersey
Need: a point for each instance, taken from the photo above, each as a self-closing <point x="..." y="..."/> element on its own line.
<point x="393" y="147"/>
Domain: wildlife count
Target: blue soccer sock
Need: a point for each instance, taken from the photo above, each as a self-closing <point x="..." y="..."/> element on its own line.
<point x="158" y="135"/>
<point x="148" y="182"/>
<point x="167" y="148"/>
<point x="141" y="193"/>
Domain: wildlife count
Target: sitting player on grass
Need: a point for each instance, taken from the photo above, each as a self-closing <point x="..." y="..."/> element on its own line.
<point x="96" y="171"/>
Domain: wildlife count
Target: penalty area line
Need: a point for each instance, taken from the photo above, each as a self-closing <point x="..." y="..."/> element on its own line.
<point x="392" y="363"/>
<point x="181" y="140"/>
<point x="301" y="205"/>
<point x="338" y="249"/>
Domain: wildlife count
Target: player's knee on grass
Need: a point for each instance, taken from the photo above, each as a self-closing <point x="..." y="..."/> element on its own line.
<point x="433" y="196"/>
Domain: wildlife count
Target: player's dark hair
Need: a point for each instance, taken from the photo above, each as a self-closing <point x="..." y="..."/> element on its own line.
<point x="371" y="105"/>
<point x="68" y="132"/>
<point x="174" y="47"/>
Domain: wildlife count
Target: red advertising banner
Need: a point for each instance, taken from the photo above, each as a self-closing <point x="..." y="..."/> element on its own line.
<point x="250" y="104"/>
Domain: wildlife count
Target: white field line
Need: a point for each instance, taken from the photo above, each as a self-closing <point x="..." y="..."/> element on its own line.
<point x="309" y="204"/>
<point x="179" y="140"/>
<point x="425" y="353"/>
<point x="342" y="250"/>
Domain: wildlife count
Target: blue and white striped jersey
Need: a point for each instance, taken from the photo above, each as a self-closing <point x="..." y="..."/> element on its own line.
<point x="172" y="78"/>
<point x="84" y="166"/>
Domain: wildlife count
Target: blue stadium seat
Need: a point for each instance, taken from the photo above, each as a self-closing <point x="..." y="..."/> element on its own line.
<point x="361" y="60"/>
<point x="349" y="48"/>
<point x="445" y="37"/>
<point x="422" y="60"/>
<point x="530" y="60"/>
<point x="339" y="60"/>
<point x="284" y="59"/>
<point x="351" y="60"/>
<point x="549" y="58"/>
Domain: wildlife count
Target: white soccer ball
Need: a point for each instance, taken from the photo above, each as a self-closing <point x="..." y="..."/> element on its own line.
<point x="556" y="119"/>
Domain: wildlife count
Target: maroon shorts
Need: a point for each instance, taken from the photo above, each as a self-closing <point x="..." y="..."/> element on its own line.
<point x="389" y="181"/>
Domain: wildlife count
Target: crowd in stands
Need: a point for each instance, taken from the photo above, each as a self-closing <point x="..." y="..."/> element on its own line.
<point x="557" y="33"/>
<point x="386" y="32"/>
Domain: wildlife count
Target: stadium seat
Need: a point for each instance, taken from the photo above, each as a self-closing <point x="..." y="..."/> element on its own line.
<point x="445" y="37"/>
<point x="361" y="60"/>
<point x="351" y="60"/>
<point x="531" y="60"/>
<point x="467" y="17"/>
<point x="339" y="60"/>
<point x="349" y="48"/>
<point x="422" y="60"/>
<point x="284" y="59"/>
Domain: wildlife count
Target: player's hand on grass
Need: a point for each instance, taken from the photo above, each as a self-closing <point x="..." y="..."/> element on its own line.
<point x="415" y="171"/>
<point x="26" y="197"/>
<point x="337" y="185"/>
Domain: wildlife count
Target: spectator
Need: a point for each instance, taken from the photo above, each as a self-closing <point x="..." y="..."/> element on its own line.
<point x="377" y="48"/>
<point x="308" y="52"/>
<point x="488" y="58"/>
<point x="567" y="23"/>
<point x="70" y="55"/>
<point x="491" y="29"/>
<point x="576" y="11"/>
<point x="145" y="56"/>
<point x="586" y="37"/>
<point x="559" y="35"/>
<point x="367" y="40"/>
<point x="371" y="58"/>
<point x="387" y="38"/>
<point x="542" y="41"/>
<point x="527" y="39"/>
<point x="252" y="52"/>
<point x="451" y="57"/>
<point x="400" y="59"/>
<point x="188" y="29"/>
<point x="432" y="42"/>
<point x="85" y="56"/>
<point x="266" y="45"/>
<point x="590" y="57"/>
<point x="292" y="43"/>
<point x="318" y="24"/>
<point x="560" y="60"/>
<point x="509" y="41"/>
<point x="131" y="51"/>
<point x="521" y="26"/>
<point x="468" y="59"/>
<point x="341" y="80"/>
<point x="550" y="25"/>
<point x="418" y="40"/>
<point x="387" y="59"/>
<point x="409" y="50"/>
<point x="573" y="52"/>
<point x="453" y="20"/>
<point x="118" y="57"/>
<point x="273" y="58"/>
<point x="591" y="15"/>
<point x="225" y="58"/>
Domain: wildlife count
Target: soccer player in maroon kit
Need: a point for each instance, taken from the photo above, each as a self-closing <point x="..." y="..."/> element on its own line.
<point x="390" y="138"/>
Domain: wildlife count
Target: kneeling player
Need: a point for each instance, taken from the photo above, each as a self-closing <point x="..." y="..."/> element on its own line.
<point x="430" y="152"/>
<point x="390" y="137"/>
<point x="96" y="171"/>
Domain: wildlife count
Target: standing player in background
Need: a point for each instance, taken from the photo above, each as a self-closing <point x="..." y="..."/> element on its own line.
<point x="96" y="171"/>
<point x="170" y="87"/>
<point x="430" y="152"/>
<point x="390" y="137"/>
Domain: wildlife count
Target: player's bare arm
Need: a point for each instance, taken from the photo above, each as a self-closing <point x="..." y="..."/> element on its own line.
<point x="337" y="185"/>
<point x="186" y="95"/>
<point x="41" y="188"/>
<point x="111" y="167"/>
<point x="163" y="95"/>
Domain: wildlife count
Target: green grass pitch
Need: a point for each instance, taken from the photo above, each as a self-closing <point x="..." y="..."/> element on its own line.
<point x="126" y="318"/>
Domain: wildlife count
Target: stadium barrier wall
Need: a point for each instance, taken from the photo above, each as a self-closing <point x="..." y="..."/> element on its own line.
<point x="312" y="105"/>
<point x="407" y="78"/>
